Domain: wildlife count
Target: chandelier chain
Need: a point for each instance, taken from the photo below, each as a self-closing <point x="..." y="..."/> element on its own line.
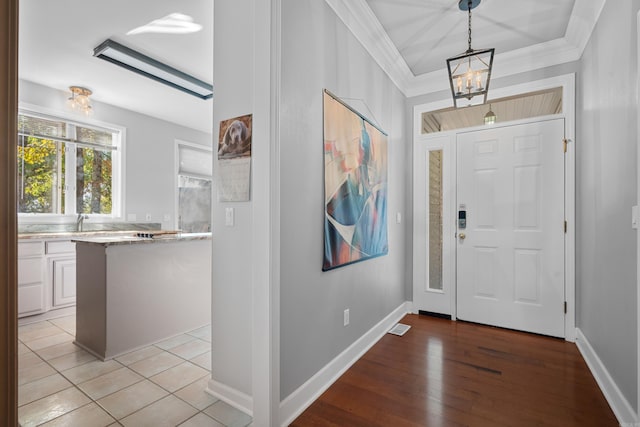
<point x="469" y="9"/>
<point x="470" y="72"/>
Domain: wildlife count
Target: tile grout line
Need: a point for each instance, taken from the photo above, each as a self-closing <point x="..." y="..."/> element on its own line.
<point x="73" y="385"/>
<point x="122" y="365"/>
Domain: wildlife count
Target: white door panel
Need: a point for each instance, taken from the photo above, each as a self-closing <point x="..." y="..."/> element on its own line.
<point x="510" y="257"/>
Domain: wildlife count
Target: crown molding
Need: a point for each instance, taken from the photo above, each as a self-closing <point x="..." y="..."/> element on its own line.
<point x="362" y="22"/>
<point x="583" y="20"/>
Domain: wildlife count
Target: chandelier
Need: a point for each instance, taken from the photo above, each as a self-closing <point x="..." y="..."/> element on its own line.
<point x="79" y="100"/>
<point x="470" y="72"/>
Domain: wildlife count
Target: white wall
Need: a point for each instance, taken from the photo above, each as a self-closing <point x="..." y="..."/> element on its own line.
<point x="606" y="189"/>
<point x="245" y="284"/>
<point x="149" y="151"/>
<point x="319" y="52"/>
<point x="232" y="263"/>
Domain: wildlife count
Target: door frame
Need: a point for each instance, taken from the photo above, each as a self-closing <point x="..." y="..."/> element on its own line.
<point x="8" y="213"/>
<point x="567" y="82"/>
<point x="638" y="203"/>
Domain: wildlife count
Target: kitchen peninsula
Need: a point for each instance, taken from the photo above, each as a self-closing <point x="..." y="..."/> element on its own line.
<point x="133" y="291"/>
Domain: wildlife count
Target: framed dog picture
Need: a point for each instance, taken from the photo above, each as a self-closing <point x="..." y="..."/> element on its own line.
<point x="234" y="159"/>
<point x="355" y="186"/>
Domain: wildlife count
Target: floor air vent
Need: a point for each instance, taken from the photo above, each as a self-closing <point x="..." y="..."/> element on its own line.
<point x="400" y="329"/>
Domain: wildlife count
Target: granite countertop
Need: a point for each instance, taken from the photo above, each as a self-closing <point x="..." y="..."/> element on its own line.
<point x="74" y="234"/>
<point x="133" y="239"/>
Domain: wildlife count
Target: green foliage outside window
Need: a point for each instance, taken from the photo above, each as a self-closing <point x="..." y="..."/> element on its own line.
<point x="37" y="175"/>
<point x="93" y="181"/>
<point x="42" y="168"/>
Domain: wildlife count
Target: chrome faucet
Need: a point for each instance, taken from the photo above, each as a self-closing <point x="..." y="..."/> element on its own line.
<point x="80" y="221"/>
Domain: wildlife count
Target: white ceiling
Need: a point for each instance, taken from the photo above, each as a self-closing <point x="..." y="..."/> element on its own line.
<point x="426" y="32"/>
<point x="410" y="40"/>
<point x="56" y="44"/>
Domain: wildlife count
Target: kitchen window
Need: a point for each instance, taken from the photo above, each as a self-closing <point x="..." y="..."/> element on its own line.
<point x="67" y="167"/>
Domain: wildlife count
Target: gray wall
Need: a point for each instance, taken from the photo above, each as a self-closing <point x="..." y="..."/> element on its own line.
<point x="319" y="52"/>
<point x="606" y="189"/>
<point x="149" y="151"/>
<point x="232" y="264"/>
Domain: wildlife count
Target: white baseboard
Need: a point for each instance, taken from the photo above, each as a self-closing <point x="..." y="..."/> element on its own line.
<point x="619" y="404"/>
<point x="230" y="395"/>
<point x="294" y="404"/>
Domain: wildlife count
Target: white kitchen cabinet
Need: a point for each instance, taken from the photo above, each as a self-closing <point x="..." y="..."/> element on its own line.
<point x="63" y="280"/>
<point x="61" y="277"/>
<point x="31" y="280"/>
<point x="46" y="275"/>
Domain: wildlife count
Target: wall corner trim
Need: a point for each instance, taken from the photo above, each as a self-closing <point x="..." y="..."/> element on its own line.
<point x="230" y="395"/>
<point x="294" y="404"/>
<point x="619" y="404"/>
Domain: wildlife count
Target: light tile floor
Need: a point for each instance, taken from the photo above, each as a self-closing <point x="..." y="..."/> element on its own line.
<point x="161" y="385"/>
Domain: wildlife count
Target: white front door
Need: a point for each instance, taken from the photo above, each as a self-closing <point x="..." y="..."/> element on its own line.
<point x="510" y="256"/>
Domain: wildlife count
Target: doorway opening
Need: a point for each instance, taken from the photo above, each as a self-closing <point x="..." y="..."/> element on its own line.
<point x="436" y="172"/>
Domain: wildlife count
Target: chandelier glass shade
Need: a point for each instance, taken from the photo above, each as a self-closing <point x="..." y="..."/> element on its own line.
<point x="79" y="100"/>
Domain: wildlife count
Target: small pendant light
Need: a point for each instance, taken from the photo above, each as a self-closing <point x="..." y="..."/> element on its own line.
<point x="490" y="117"/>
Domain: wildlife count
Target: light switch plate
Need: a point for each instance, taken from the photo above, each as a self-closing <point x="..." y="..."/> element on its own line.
<point x="228" y="217"/>
<point x="634" y="217"/>
<point x="398" y="217"/>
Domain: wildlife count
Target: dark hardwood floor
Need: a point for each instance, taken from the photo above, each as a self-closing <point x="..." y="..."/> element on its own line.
<point x="444" y="373"/>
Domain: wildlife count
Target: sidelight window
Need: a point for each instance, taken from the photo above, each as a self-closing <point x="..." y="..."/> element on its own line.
<point x="435" y="220"/>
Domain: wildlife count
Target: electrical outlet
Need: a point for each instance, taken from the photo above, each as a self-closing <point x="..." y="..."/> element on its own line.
<point x="346" y="317"/>
<point x="166" y="217"/>
<point x="147" y="217"/>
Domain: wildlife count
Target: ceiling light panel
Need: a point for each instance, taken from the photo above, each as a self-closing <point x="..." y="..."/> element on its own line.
<point x="137" y="62"/>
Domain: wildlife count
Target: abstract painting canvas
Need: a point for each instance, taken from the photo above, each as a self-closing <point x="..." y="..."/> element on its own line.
<point x="355" y="186"/>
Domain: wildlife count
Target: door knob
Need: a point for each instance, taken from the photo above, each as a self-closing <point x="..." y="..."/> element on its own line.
<point x="462" y="236"/>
